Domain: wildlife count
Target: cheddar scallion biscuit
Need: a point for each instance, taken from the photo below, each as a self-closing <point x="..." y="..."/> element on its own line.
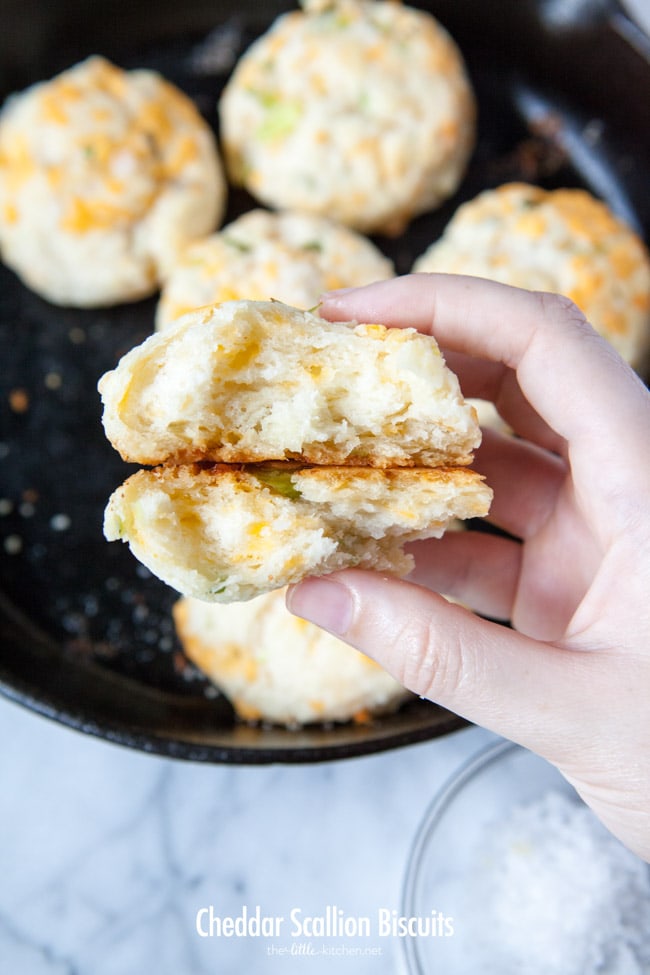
<point x="292" y="257"/>
<point x="276" y="668"/>
<point x="359" y="110"/>
<point x="105" y="175"/>
<point x="223" y="534"/>
<point x="565" y="241"/>
<point x="249" y="381"/>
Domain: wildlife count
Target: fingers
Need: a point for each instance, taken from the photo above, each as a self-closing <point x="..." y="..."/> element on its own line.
<point x="498" y="384"/>
<point x="571" y="377"/>
<point x="517" y="687"/>
<point x="478" y="569"/>
<point x="525" y="480"/>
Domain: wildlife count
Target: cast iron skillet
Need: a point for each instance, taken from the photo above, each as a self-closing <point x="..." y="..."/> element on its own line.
<point x="85" y="633"/>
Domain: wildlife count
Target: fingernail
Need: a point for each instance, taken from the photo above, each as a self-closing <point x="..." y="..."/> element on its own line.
<point x="339" y="292"/>
<point x="323" y="601"/>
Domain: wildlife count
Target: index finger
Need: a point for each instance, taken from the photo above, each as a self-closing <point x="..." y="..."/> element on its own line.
<point x="571" y="376"/>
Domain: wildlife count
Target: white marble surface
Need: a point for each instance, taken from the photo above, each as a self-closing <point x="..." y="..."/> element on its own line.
<point x="639" y="10"/>
<point x="106" y="855"/>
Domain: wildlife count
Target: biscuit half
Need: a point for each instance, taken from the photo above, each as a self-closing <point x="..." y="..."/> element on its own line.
<point x="252" y="381"/>
<point x="224" y="534"/>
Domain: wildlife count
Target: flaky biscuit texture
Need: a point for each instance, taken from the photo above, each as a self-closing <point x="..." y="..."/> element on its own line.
<point x="254" y="381"/>
<point x="223" y="534"/>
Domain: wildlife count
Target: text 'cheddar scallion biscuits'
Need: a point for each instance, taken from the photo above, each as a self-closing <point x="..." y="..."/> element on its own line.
<point x="286" y="446"/>
<point x="105" y="175"/>
<point x="359" y="110"/>
<point x="292" y="257"/>
<point x="277" y="668"/>
<point x="565" y="241"/>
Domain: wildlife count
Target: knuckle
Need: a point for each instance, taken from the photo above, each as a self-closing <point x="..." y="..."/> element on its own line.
<point x="558" y="311"/>
<point x="557" y="307"/>
<point x="429" y="664"/>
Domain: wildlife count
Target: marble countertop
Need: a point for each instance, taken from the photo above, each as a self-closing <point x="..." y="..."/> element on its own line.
<point x="107" y="855"/>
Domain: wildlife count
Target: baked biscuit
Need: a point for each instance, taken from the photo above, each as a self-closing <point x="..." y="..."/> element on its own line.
<point x="292" y="257"/>
<point x="359" y="110"/>
<point x="564" y="241"/>
<point x="104" y="176"/>
<point x="277" y="668"/>
<point x="250" y="381"/>
<point x="224" y="534"/>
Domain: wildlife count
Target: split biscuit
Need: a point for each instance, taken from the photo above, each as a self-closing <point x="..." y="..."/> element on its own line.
<point x="247" y="381"/>
<point x="222" y="533"/>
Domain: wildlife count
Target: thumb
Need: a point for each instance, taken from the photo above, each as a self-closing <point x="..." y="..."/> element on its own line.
<point x="518" y="687"/>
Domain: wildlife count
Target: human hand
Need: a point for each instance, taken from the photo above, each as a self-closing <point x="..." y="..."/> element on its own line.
<point x="571" y="680"/>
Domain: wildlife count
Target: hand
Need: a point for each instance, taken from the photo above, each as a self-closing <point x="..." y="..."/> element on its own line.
<point x="571" y="680"/>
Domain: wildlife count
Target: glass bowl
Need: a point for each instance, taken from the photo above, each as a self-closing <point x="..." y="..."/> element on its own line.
<point x="511" y="874"/>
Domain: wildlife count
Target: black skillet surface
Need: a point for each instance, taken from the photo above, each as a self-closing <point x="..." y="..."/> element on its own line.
<point x="85" y="632"/>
